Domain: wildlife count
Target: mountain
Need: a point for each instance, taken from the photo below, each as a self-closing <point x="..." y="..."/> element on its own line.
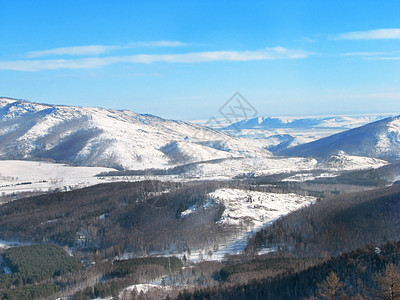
<point x="380" y="139"/>
<point x="338" y="122"/>
<point x="280" y="133"/>
<point x="110" y="138"/>
<point x="343" y="161"/>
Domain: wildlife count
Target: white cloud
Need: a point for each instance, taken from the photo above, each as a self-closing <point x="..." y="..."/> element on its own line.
<point x="393" y="55"/>
<point x="193" y="57"/>
<point x="376" y="34"/>
<point x="386" y="58"/>
<point x="366" y="54"/>
<point x="157" y="44"/>
<point x="100" y="49"/>
<point x="78" y="50"/>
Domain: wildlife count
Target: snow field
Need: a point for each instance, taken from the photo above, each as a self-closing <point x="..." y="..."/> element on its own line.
<point x="28" y="176"/>
<point x="249" y="211"/>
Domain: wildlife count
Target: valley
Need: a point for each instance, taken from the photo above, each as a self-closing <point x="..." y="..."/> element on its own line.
<point x="153" y="208"/>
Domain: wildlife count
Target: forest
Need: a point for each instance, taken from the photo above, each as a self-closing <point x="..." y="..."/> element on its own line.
<point x="365" y="273"/>
<point x="32" y="267"/>
<point x="335" y="225"/>
<point x="137" y="217"/>
<point x="345" y="244"/>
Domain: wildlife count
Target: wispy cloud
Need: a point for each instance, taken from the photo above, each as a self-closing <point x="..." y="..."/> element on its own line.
<point x="376" y="34"/>
<point x="157" y="44"/>
<point x="393" y="55"/>
<point x="365" y="54"/>
<point x="78" y="50"/>
<point x="101" y="49"/>
<point x="387" y="58"/>
<point x="192" y="57"/>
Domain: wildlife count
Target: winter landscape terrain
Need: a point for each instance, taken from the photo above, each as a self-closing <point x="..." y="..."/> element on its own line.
<point x="199" y="150"/>
<point x="92" y="138"/>
<point x="116" y="184"/>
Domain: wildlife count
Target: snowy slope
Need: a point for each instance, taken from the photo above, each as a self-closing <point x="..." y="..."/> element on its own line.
<point x="110" y="138"/>
<point x="248" y="211"/>
<point x="280" y="133"/>
<point x="343" y="161"/>
<point x="257" y="208"/>
<point x="338" y="122"/>
<point x="379" y="139"/>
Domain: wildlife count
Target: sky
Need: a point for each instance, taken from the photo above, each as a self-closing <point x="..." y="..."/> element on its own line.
<point x="185" y="59"/>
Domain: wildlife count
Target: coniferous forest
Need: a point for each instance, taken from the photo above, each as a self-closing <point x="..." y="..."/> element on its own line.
<point x="345" y="244"/>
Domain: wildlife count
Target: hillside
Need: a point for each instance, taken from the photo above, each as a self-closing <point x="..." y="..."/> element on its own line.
<point x="280" y="133"/>
<point x="380" y="139"/>
<point x="110" y="138"/>
<point x="336" y="225"/>
<point x="338" y="122"/>
<point x="370" y="272"/>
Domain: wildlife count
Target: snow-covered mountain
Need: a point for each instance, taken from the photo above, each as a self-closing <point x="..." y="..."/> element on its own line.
<point x="343" y="161"/>
<point x="380" y="139"/>
<point x="110" y="138"/>
<point x="280" y="133"/>
<point x="338" y="122"/>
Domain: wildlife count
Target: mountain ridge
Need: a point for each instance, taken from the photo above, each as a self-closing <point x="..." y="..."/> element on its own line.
<point x="380" y="139"/>
<point x="96" y="136"/>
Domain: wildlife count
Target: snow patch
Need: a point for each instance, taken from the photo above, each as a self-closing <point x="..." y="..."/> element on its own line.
<point x="248" y="211"/>
<point x="343" y="161"/>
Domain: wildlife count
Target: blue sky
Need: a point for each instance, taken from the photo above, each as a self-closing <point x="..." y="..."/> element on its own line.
<point x="184" y="59"/>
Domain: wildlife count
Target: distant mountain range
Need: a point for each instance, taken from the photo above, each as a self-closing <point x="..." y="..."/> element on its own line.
<point x="280" y="133"/>
<point x="379" y="139"/>
<point x="110" y="138"/>
<point x="333" y="122"/>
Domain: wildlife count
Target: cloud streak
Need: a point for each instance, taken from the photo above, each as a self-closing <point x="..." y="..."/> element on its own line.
<point x="192" y="57"/>
<point x="101" y="49"/>
<point x="393" y="55"/>
<point x="376" y="34"/>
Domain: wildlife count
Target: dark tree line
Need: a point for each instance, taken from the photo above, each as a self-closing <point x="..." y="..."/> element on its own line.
<point x="36" y="263"/>
<point x="32" y="267"/>
<point x="366" y="273"/>
<point x="336" y="225"/>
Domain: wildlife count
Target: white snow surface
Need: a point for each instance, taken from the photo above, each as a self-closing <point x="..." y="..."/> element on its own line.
<point x="144" y="287"/>
<point x="248" y="211"/>
<point x="7" y="244"/>
<point x="302" y="177"/>
<point x="380" y="139"/>
<point x="29" y="176"/>
<point x="343" y="161"/>
<point x="279" y="133"/>
<point x="105" y="137"/>
<point x="257" y="208"/>
<point x="389" y="139"/>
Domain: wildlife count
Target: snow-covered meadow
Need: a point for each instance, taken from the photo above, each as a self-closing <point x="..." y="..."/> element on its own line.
<point x="29" y="176"/>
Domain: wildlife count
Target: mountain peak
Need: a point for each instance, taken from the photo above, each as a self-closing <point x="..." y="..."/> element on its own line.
<point x="379" y="139"/>
<point x="106" y="137"/>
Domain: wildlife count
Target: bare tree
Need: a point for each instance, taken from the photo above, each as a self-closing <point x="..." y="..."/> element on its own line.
<point x="331" y="288"/>
<point x="389" y="283"/>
